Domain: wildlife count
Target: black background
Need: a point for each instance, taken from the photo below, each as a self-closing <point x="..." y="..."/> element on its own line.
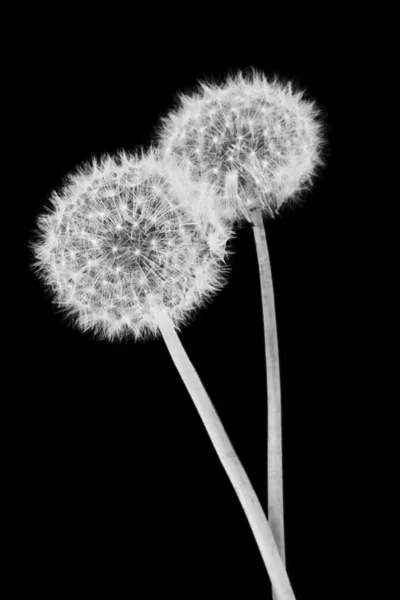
<point x="121" y="488"/>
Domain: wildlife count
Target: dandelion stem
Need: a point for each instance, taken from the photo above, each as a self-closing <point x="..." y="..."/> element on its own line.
<point x="230" y="461"/>
<point x="275" y="470"/>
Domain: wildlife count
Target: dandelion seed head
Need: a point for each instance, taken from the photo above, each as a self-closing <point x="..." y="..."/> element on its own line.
<point x="125" y="239"/>
<point x="277" y="136"/>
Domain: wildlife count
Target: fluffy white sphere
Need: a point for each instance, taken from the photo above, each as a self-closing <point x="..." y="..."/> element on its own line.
<point x="256" y="140"/>
<point x="124" y="239"/>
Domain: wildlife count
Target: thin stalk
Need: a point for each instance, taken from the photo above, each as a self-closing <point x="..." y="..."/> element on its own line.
<point x="230" y="461"/>
<point x="274" y="443"/>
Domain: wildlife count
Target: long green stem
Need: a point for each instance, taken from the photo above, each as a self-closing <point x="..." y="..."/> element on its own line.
<point x="275" y="469"/>
<point x="230" y="461"/>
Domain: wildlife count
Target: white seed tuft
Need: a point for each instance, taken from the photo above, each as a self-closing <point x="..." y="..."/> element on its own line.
<point x="277" y="134"/>
<point x="126" y="239"/>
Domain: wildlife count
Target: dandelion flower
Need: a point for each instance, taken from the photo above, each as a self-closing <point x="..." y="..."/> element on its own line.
<point x="121" y="239"/>
<point x="259" y="143"/>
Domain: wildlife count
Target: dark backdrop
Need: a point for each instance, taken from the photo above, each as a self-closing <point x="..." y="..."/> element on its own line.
<point x="121" y="488"/>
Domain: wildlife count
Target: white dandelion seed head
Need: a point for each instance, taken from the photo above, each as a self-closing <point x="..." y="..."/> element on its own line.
<point x="258" y="141"/>
<point x="121" y="242"/>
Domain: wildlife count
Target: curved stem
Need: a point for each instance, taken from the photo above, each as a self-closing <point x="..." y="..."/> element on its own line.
<point x="275" y="469"/>
<point x="227" y="455"/>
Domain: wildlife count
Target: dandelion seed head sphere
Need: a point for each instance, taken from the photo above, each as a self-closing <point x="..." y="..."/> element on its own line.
<point x="256" y="140"/>
<point x="120" y="243"/>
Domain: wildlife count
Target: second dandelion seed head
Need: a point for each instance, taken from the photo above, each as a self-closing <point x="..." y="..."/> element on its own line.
<point x="120" y="243"/>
